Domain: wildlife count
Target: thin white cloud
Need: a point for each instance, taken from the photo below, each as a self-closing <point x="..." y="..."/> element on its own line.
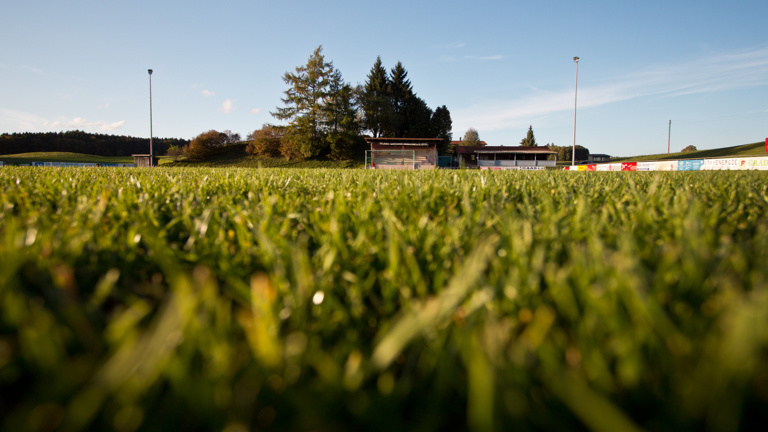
<point x="227" y="106"/>
<point x="19" y="121"/>
<point x="208" y="93"/>
<point x="33" y="69"/>
<point x="493" y="57"/>
<point x="711" y="74"/>
<point x="256" y="111"/>
<point x="81" y="123"/>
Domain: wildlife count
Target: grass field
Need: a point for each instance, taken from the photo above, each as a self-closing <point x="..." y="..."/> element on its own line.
<point x="236" y="299"/>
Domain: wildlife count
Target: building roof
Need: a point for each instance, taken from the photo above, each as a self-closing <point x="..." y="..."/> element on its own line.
<point x="415" y="142"/>
<point x="458" y="143"/>
<point x="503" y="149"/>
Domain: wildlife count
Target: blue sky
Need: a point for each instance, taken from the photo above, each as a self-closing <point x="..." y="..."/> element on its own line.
<point x="499" y="66"/>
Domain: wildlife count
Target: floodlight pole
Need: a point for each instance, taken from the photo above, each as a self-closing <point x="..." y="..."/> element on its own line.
<point x="151" y="153"/>
<point x="575" y="99"/>
<point x="669" y="136"/>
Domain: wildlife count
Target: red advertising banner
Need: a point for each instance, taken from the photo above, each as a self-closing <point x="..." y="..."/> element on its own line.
<point x="591" y="167"/>
<point x="629" y="166"/>
<point x="766" y="145"/>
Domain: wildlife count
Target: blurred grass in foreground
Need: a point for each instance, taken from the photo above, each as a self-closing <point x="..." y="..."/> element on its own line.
<point x="234" y="299"/>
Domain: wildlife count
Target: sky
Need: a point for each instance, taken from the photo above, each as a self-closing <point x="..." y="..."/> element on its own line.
<point x="498" y="66"/>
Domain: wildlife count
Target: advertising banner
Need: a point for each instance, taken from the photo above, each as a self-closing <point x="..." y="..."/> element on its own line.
<point x="666" y="166"/>
<point x="80" y="164"/>
<point x="751" y="163"/>
<point x="690" y="164"/>
<point x="720" y="164"/>
<point x="519" y="168"/>
<point x="758" y="163"/>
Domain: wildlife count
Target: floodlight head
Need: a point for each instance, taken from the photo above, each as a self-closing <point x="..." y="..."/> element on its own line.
<point x="576" y="59"/>
<point x="150" y="71"/>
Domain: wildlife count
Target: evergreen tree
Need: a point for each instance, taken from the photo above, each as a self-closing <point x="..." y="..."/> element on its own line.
<point x="400" y="92"/>
<point x="441" y="126"/>
<point x="391" y="108"/>
<point x="417" y="121"/>
<point x="375" y="100"/>
<point x="529" y="140"/>
<point x="305" y="104"/>
<point x="343" y="129"/>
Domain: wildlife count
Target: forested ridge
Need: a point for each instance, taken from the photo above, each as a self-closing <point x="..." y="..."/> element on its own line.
<point x="84" y="142"/>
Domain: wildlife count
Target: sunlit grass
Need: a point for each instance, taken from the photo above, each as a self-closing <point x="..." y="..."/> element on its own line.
<point x="207" y="299"/>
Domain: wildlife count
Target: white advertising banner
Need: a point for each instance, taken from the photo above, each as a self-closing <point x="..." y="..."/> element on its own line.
<point x="758" y="163"/>
<point x="80" y="164"/>
<point x="517" y="168"/>
<point x="751" y="163"/>
<point x="720" y="164"/>
<point x="666" y="166"/>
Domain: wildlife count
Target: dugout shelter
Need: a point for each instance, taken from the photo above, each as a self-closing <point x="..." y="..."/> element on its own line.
<point x="402" y="153"/>
<point x="506" y="157"/>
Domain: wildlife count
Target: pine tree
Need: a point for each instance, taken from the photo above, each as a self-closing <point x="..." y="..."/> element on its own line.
<point x="529" y="140"/>
<point x="341" y="119"/>
<point x="400" y="91"/>
<point x="417" y="121"/>
<point x="375" y="100"/>
<point x="442" y="125"/>
<point x="305" y="101"/>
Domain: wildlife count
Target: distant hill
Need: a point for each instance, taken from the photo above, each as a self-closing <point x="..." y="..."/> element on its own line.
<point x="84" y="143"/>
<point x="754" y="149"/>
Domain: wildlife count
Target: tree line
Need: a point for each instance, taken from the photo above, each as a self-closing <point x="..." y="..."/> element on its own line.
<point x="327" y="117"/>
<point x="83" y="142"/>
